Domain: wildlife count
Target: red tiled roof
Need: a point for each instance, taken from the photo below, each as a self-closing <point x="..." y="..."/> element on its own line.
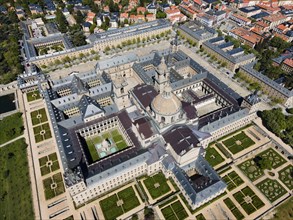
<point x="288" y="62"/>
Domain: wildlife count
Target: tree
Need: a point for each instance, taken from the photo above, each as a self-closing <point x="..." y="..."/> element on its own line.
<point x="79" y="17"/>
<point x="149" y="213"/>
<point x="92" y="28"/>
<point x="61" y="21"/>
<point x="76" y="35"/>
<point x="160" y="14"/>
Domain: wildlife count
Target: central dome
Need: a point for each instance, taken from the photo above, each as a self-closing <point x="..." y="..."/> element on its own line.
<point x="166" y="103"/>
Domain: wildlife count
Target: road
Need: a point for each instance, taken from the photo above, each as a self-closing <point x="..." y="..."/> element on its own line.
<point x="228" y="81"/>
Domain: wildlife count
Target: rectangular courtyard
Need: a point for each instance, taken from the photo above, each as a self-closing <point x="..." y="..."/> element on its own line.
<point x="105" y="144"/>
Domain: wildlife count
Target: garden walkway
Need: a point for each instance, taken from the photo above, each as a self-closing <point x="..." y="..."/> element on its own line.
<point x="9" y="142"/>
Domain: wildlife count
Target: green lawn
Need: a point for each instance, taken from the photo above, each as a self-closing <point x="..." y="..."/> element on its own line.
<point x="113" y="135"/>
<point x="32" y="96"/>
<point x="53" y="186"/>
<point x="39" y="116"/>
<point x="238" y="142"/>
<point x="49" y="164"/>
<point x="128" y="200"/>
<point x="248" y="200"/>
<point x="213" y="156"/>
<point x="174" y="211"/>
<point x="284" y="211"/>
<point x="272" y="189"/>
<point x="42" y="132"/>
<point x="157" y="185"/>
<point x="235" y="211"/>
<point x="286" y="176"/>
<point x="15" y="185"/>
<point x="11" y="127"/>
<point x="233" y="180"/>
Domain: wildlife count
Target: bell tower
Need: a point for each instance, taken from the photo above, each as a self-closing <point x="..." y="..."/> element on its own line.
<point x="162" y="76"/>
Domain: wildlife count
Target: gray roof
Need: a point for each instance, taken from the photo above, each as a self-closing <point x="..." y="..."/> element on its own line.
<point x="249" y="69"/>
<point x="132" y="30"/>
<point x="205" y="185"/>
<point x="198" y="31"/>
<point x="88" y="107"/>
<point x="116" y="61"/>
<point x="226" y="54"/>
<point x="130" y="163"/>
<point x="225" y="120"/>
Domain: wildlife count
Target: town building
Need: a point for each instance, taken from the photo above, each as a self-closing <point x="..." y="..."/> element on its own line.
<point x="221" y="49"/>
<point x="249" y="11"/>
<point x="270" y="87"/>
<point x="197" y="32"/>
<point x="98" y="41"/>
<point x="287" y="65"/>
<point x="240" y="19"/>
<point x="246" y="36"/>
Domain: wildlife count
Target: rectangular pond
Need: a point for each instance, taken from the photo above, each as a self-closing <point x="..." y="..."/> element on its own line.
<point x="7" y="103"/>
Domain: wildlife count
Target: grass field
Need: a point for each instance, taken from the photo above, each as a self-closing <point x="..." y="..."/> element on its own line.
<point x="157" y="185"/>
<point x="175" y="211"/>
<point x="238" y="142"/>
<point x="114" y="136"/>
<point x="11" y="127"/>
<point x="15" y="185"/>
<point x="53" y="186"/>
<point x="32" y="96"/>
<point x="42" y="132"/>
<point x="233" y="180"/>
<point x="284" y="211"/>
<point x="285" y="175"/>
<point x="235" y="211"/>
<point x="272" y="189"/>
<point x="49" y="164"/>
<point x="248" y="200"/>
<point x="213" y="156"/>
<point x="119" y="203"/>
<point x="39" y="116"/>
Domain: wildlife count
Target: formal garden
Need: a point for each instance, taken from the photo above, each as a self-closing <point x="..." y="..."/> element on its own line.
<point x="235" y="211"/>
<point x="174" y="211"/>
<point x="232" y="180"/>
<point x="105" y="144"/>
<point x="42" y="132"/>
<point x="286" y="176"/>
<point x="39" y="116"/>
<point x="248" y="200"/>
<point x="268" y="159"/>
<point x="49" y="164"/>
<point x="213" y="156"/>
<point x="157" y="185"/>
<point x="272" y="189"/>
<point x="15" y="186"/>
<point x="32" y="96"/>
<point x="119" y="203"/>
<point x="53" y="186"/>
<point x="238" y="143"/>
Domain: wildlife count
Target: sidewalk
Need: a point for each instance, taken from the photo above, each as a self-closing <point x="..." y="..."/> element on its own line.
<point x="9" y="142"/>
